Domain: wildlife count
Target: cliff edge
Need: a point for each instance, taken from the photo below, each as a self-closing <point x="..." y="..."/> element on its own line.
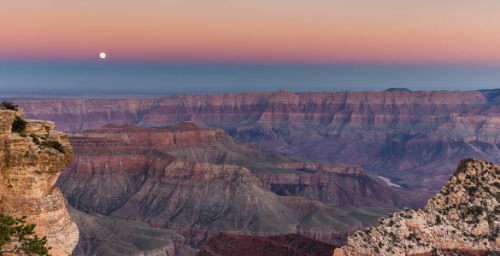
<point x="31" y="159"/>
<point x="464" y="217"/>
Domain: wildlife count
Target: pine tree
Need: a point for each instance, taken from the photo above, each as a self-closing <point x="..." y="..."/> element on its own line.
<point x="18" y="238"/>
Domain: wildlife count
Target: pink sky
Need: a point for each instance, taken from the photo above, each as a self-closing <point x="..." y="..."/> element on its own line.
<point x="258" y="31"/>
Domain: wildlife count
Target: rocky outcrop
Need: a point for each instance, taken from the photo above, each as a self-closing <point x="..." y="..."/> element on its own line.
<point x="30" y="163"/>
<point x="228" y="244"/>
<point x="416" y="138"/>
<point x="464" y="217"/>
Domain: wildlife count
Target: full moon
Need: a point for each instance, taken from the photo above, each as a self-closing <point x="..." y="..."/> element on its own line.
<point x="102" y="55"/>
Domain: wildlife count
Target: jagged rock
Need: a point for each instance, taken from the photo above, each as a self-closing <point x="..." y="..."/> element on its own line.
<point x="464" y="216"/>
<point x="29" y="171"/>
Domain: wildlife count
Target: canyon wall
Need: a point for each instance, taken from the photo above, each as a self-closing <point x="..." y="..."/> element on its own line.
<point x="29" y="169"/>
<point x="415" y="138"/>
<point x="151" y="175"/>
<point x="286" y="176"/>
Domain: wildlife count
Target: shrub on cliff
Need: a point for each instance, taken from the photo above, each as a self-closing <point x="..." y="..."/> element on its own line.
<point x="20" y="239"/>
<point x="53" y="144"/>
<point x="18" y="125"/>
<point x="36" y="140"/>
<point x="8" y="105"/>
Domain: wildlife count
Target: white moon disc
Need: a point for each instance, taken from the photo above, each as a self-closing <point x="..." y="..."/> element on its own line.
<point x="102" y="55"/>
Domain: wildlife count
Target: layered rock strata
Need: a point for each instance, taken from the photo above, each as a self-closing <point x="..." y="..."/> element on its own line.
<point x="463" y="217"/>
<point x="29" y="167"/>
<point x="287" y="176"/>
<point x="149" y="175"/>
<point x="416" y="138"/>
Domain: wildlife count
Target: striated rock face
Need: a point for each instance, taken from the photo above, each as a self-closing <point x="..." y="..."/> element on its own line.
<point x="283" y="245"/>
<point x="287" y="176"/>
<point x="28" y="174"/>
<point x="464" y="217"/>
<point x="414" y="137"/>
<point x="161" y="176"/>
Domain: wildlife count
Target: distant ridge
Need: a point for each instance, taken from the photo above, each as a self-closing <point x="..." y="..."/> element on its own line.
<point x="398" y="90"/>
<point x="360" y="128"/>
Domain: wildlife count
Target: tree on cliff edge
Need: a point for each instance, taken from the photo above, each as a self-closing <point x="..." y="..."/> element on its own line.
<point x="17" y="238"/>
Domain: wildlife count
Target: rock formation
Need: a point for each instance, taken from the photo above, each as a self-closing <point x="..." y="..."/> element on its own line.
<point x="463" y="217"/>
<point x="416" y="138"/>
<point x="159" y="176"/>
<point x="287" y="176"/>
<point x="30" y="163"/>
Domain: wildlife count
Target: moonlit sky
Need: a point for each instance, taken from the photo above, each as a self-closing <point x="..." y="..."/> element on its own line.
<point x="66" y="37"/>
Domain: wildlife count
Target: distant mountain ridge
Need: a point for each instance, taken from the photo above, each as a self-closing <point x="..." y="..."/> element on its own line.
<point x="413" y="137"/>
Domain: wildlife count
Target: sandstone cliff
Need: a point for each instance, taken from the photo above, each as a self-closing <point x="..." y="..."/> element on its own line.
<point x="30" y="163"/>
<point x="462" y="217"/>
<point x="414" y="137"/>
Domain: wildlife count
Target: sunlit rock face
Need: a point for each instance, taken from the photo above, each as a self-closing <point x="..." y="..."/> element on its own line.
<point x="463" y="217"/>
<point x="29" y="171"/>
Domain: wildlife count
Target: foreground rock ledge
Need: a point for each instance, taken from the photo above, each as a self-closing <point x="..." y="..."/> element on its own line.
<point x="464" y="216"/>
<point x="28" y="174"/>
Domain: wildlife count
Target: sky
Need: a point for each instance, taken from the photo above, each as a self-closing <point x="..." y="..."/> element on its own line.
<point x="291" y="32"/>
<point x="51" y="48"/>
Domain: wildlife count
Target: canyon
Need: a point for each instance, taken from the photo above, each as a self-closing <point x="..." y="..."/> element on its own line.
<point x="462" y="219"/>
<point x="181" y="169"/>
<point x="198" y="182"/>
<point x="413" y="138"/>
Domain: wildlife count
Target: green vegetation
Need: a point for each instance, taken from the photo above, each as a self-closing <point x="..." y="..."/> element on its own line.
<point x="18" y="238"/>
<point x="19" y="125"/>
<point x="8" y="105"/>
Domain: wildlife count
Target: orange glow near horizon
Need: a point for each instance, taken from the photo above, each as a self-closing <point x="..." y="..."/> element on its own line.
<point x="382" y="31"/>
